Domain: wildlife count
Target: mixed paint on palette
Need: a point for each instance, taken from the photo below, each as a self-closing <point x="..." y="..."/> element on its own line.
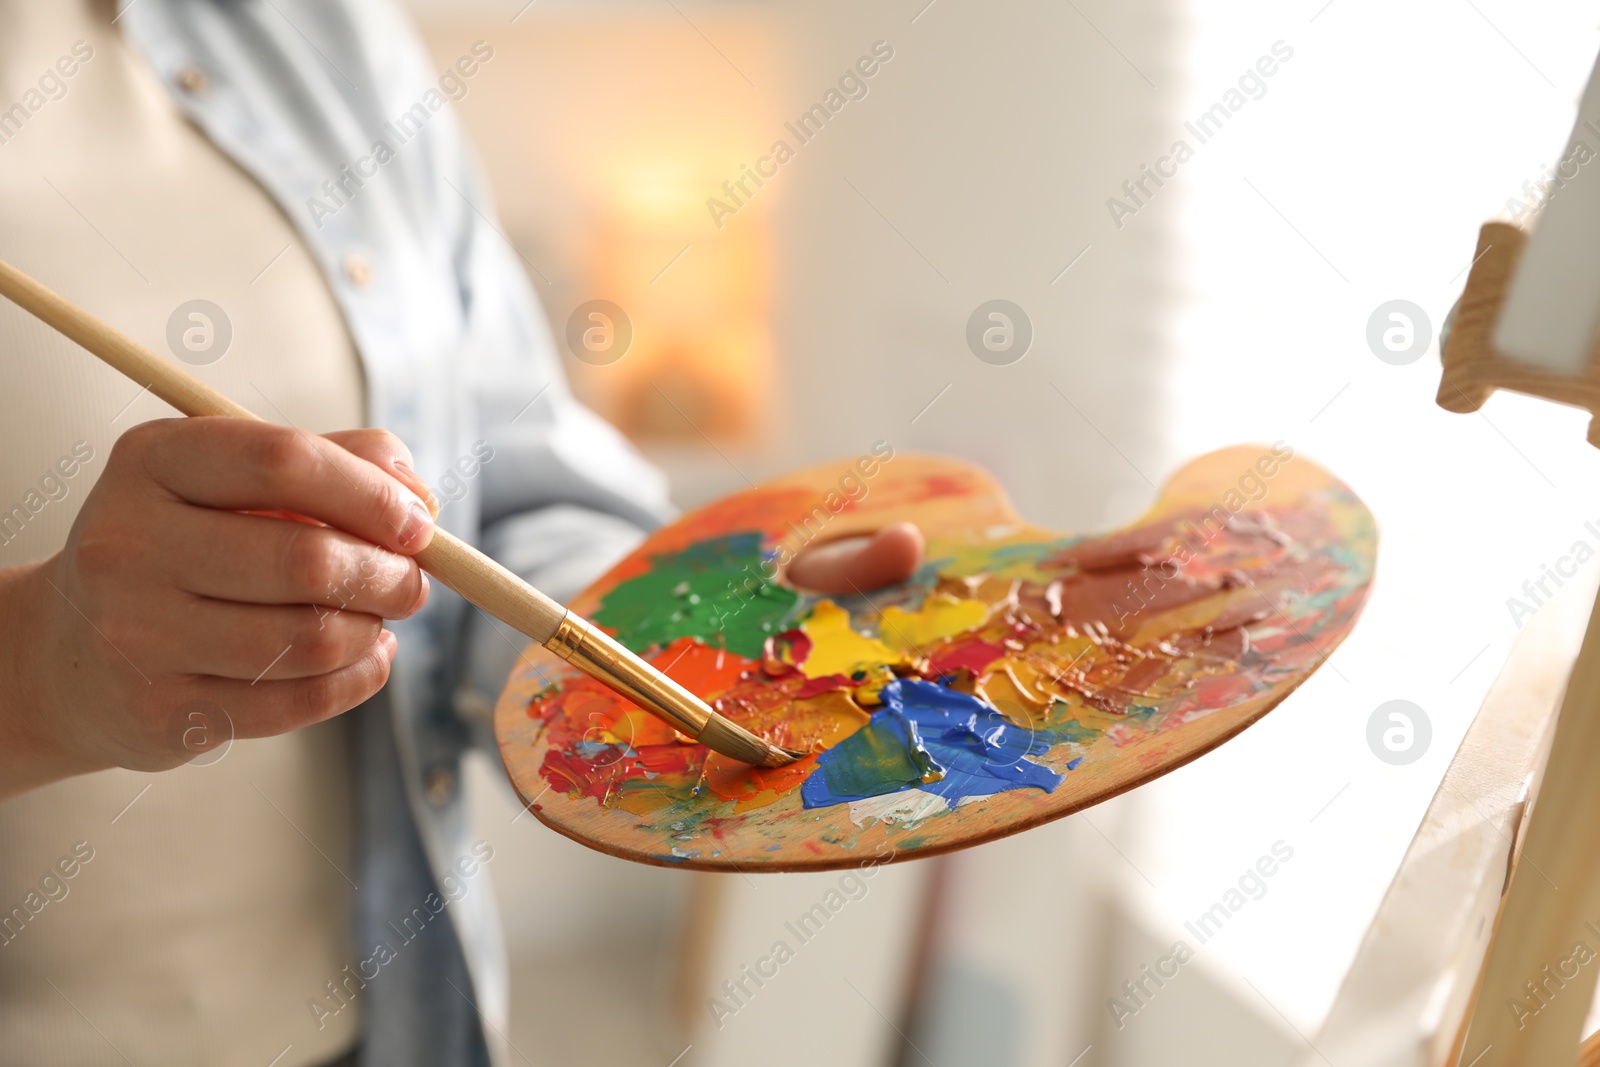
<point x="1006" y="662"/>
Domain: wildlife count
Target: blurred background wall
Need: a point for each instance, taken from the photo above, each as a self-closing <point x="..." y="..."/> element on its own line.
<point x="827" y="309"/>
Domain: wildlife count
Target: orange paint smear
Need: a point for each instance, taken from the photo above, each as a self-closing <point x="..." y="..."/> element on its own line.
<point x="699" y="668"/>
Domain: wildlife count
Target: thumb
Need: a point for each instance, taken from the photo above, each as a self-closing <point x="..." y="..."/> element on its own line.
<point x="859" y="564"/>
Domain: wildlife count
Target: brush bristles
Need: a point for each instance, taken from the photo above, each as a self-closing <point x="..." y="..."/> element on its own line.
<point x="736" y="742"/>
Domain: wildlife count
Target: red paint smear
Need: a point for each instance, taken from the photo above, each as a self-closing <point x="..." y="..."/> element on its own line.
<point x="782" y="652"/>
<point x="972" y="653"/>
<point x="825" y="684"/>
<point x="677" y="765"/>
<point x="574" y="776"/>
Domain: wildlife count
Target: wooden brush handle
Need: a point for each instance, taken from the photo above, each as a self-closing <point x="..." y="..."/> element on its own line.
<point x="482" y="581"/>
<point x="177" y="387"/>
<point x="457" y="564"/>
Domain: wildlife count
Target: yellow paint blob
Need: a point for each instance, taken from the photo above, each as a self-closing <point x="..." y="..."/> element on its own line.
<point x="1011" y="686"/>
<point x="940" y="616"/>
<point x="838" y="649"/>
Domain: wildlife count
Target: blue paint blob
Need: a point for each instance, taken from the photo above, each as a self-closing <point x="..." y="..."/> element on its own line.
<point x="932" y="738"/>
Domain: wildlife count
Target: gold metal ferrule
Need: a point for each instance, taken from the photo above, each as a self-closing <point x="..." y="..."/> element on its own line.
<point x="600" y="656"/>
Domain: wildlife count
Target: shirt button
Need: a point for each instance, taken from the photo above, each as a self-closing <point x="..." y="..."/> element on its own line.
<point x="358" y="268"/>
<point x="441" y="785"/>
<point x="192" y="80"/>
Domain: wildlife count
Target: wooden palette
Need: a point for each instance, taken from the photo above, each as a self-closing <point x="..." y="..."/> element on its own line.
<point x="1019" y="676"/>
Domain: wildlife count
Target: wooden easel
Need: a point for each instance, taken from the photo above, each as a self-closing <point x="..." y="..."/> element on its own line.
<point x="1528" y="1010"/>
<point x="1473" y="959"/>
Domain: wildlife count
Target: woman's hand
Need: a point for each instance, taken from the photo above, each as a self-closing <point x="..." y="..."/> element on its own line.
<point x="240" y="572"/>
<point x="191" y="581"/>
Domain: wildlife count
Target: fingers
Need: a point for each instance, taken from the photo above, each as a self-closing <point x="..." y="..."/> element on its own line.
<point x="275" y="561"/>
<point x="388" y="453"/>
<point x="251" y="642"/>
<point x="859" y="564"/>
<point x="240" y="465"/>
<point x="276" y="705"/>
<point x="233" y="562"/>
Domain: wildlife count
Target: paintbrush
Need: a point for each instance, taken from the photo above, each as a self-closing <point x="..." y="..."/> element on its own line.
<point x="448" y="558"/>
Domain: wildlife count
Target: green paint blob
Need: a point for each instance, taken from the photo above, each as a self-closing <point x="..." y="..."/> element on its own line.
<point x="715" y="590"/>
<point x="885" y="756"/>
<point x="1074" y="731"/>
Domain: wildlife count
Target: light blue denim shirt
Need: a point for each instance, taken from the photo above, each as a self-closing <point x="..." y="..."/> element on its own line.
<point x="336" y="110"/>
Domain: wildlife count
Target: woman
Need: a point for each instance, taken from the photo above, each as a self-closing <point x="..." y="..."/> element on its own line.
<point x="207" y="176"/>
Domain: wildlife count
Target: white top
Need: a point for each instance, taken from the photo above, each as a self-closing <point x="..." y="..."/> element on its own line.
<point x="213" y="906"/>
